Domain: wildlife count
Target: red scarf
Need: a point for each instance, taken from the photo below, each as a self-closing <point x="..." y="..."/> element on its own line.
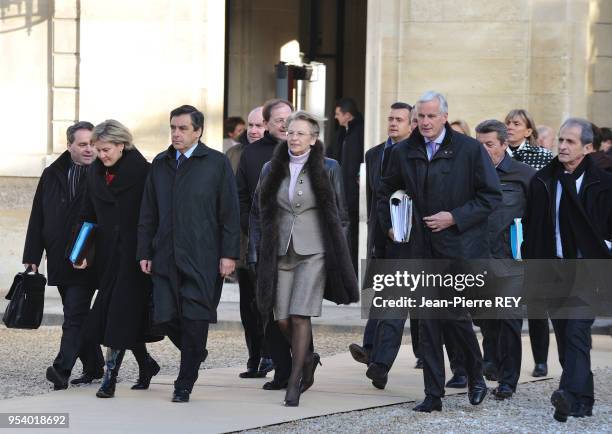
<point x="108" y="177"/>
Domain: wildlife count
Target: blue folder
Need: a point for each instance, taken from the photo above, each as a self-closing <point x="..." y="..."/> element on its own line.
<point x="516" y="238"/>
<point x="81" y="240"/>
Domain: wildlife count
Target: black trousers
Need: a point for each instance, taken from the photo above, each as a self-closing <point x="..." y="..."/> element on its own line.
<point x="414" y="335"/>
<point x="74" y="344"/>
<point x="540" y="339"/>
<point x="433" y="333"/>
<point x="383" y="338"/>
<point x="503" y="347"/>
<point x="251" y="319"/>
<point x="574" y="346"/>
<point x="190" y="337"/>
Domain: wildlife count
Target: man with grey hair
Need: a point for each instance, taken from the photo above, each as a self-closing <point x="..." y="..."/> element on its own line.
<point x="454" y="189"/>
<point x="502" y="344"/>
<point x="569" y="216"/>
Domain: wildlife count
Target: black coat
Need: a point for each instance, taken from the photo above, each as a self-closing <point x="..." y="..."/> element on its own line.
<point x="189" y="220"/>
<point x="52" y="221"/>
<point x="341" y="285"/>
<point x="594" y="208"/>
<point x="252" y="160"/>
<point x="119" y="317"/>
<point x="515" y="178"/>
<point x="459" y="179"/>
<point x="348" y="151"/>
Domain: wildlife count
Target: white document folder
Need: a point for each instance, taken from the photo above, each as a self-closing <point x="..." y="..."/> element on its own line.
<point x="400" y="206"/>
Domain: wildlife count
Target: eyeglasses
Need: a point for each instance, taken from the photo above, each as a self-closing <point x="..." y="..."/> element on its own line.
<point x="298" y="134"/>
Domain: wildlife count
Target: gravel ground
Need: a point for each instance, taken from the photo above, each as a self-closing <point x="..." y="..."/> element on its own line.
<point x="24" y="356"/>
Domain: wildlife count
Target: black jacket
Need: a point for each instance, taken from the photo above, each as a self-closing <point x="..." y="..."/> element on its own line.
<point x="252" y="160"/>
<point x="188" y="222"/>
<point x="52" y="221"/>
<point x="594" y="207"/>
<point x="348" y="151"/>
<point x="341" y="285"/>
<point x="514" y="177"/>
<point x="459" y="179"/>
<point x="119" y="317"/>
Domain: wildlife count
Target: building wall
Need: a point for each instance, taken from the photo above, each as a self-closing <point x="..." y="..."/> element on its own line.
<point x="552" y="57"/>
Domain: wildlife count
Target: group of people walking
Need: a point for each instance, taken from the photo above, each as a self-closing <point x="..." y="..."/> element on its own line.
<point x="282" y="215"/>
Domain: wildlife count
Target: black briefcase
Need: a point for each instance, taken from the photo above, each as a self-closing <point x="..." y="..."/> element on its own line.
<point x="27" y="301"/>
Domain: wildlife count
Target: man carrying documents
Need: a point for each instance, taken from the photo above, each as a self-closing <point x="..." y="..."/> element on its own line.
<point x="454" y="188"/>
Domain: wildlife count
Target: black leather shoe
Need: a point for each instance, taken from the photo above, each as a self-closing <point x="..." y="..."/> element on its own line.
<point x="540" y="370"/>
<point x="146" y="373"/>
<point x="503" y="391"/>
<point x="419" y="364"/>
<point x="309" y="370"/>
<point x="292" y="396"/>
<point x="377" y="372"/>
<point x="457" y="382"/>
<point x="580" y="409"/>
<point x="86" y="378"/>
<point x="275" y="385"/>
<point x="359" y="354"/>
<point x="490" y="371"/>
<point x="266" y="365"/>
<point x="563" y="405"/>
<point x="477" y="393"/>
<point x="429" y="404"/>
<point x="249" y="373"/>
<point x="59" y="381"/>
<point x="181" y="395"/>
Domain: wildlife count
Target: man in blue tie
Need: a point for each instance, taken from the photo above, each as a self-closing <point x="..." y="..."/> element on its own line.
<point x="454" y="188"/>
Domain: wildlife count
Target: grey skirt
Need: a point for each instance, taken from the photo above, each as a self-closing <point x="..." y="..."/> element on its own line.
<point x="300" y="284"/>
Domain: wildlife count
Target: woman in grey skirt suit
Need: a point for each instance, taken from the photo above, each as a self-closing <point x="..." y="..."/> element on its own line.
<point x="298" y="238"/>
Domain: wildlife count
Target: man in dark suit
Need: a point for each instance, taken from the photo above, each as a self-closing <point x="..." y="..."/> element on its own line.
<point x="502" y="344"/>
<point x="569" y="216"/>
<point x="382" y="338"/>
<point x="55" y="213"/>
<point x="454" y="189"/>
<point x="188" y="239"/>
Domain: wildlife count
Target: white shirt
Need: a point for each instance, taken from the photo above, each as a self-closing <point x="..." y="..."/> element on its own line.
<point x="511" y="152"/>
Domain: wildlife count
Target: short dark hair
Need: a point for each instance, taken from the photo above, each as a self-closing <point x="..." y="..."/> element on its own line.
<point x="231" y="123"/>
<point x="400" y="105"/>
<point x="197" y="117"/>
<point x="606" y="134"/>
<point x="493" y="126"/>
<point x="72" y="129"/>
<point x="348" y="105"/>
<point x="271" y="104"/>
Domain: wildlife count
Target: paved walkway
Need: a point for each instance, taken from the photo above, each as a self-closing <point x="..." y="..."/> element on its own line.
<point x="222" y="402"/>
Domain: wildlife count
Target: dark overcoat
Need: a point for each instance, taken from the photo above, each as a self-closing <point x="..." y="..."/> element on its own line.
<point x="326" y="179"/>
<point x="189" y="220"/>
<point x="52" y="221"/>
<point x="119" y="316"/>
<point x="460" y="179"/>
<point x="593" y="205"/>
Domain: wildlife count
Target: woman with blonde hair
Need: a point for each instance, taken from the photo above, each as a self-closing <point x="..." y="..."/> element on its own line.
<point x="119" y="317"/>
<point x="461" y="126"/>
<point x="298" y="236"/>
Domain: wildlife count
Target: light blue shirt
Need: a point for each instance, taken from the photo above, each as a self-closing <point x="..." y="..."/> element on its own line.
<point x="188" y="152"/>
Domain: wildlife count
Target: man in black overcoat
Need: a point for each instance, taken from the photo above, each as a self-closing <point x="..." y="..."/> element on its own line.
<point x="454" y="188"/>
<point x="569" y="216"/>
<point x="55" y="214"/>
<point x="188" y="239"/>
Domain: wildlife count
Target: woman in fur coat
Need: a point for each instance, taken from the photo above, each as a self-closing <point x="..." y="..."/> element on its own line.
<point x="298" y="237"/>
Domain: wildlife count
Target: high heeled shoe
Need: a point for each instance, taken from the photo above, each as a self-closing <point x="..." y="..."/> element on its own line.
<point x="309" y="370"/>
<point x="295" y="401"/>
<point x="146" y="373"/>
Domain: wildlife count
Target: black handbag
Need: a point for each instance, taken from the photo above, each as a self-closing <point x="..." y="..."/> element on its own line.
<point x="27" y="301"/>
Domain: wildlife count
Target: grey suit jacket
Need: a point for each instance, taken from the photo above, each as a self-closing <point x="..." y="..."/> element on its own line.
<point x="299" y="219"/>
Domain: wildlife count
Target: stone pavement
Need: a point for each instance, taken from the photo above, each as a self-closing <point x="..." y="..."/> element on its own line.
<point x="221" y="402"/>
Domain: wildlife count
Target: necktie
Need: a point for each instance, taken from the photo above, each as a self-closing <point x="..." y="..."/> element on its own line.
<point x="432" y="148"/>
<point x="180" y="160"/>
<point x="385" y="159"/>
